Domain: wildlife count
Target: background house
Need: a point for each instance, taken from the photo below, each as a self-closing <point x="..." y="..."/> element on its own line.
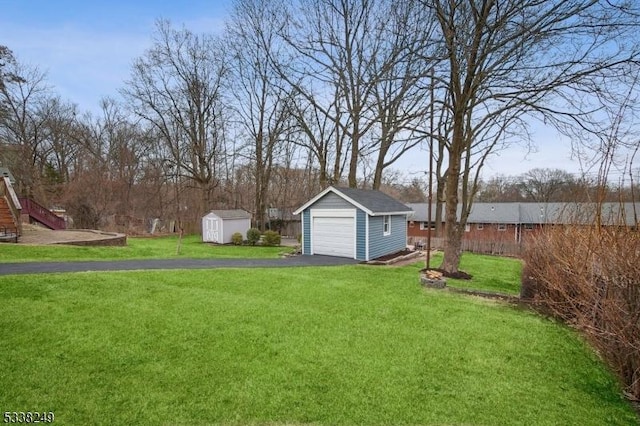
<point x="504" y="227"/>
<point x="355" y="223"/>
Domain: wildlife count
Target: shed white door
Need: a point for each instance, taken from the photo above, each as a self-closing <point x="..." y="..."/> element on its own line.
<point x="211" y="233"/>
<point x="333" y="236"/>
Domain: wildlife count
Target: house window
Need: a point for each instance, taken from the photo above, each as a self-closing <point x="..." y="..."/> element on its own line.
<point x="425" y="225"/>
<point x="502" y="227"/>
<point x="386" y="225"/>
<point x="480" y="226"/>
<point x="528" y="226"/>
<point x="467" y="227"/>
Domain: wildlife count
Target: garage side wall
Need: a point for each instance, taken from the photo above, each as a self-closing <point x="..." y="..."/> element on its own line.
<point x="380" y="244"/>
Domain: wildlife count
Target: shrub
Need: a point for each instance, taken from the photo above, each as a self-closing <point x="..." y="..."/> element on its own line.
<point x="590" y="278"/>
<point x="271" y="238"/>
<point x="236" y="238"/>
<point x="253" y="236"/>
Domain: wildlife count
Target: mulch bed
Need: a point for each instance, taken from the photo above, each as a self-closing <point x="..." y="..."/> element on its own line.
<point x="460" y="275"/>
<point x="392" y="256"/>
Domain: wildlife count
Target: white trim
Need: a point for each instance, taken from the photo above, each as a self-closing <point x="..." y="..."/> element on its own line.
<point x="384" y="219"/>
<point x="390" y="213"/>
<point x="349" y="200"/>
<point x="333" y="212"/>
<point x="313" y="200"/>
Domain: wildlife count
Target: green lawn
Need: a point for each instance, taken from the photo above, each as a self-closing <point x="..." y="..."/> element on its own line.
<point x="489" y="273"/>
<point x="136" y="248"/>
<point x="336" y="345"/>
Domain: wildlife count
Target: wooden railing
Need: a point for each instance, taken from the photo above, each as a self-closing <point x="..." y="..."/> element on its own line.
<point x="42" y="214"/>
<point x="6" y="190"/>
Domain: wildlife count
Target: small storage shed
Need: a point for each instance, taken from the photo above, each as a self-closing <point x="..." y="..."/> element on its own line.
<point x="219" y="225"/>
<point x="355" y="223"/>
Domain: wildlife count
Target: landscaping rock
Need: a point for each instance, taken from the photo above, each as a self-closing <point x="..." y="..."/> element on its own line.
<point x="433" y="279"/>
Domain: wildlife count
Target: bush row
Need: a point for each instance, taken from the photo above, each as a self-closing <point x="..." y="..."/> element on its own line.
<point x="589" y="276"/>
<point x="269" y="238"/>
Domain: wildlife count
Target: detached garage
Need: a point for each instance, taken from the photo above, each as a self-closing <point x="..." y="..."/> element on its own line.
<point x="356" y="223"/>
<point x="219" y="225"/>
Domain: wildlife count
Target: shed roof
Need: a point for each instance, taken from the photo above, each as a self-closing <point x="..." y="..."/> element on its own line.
<point x="373" y="202"/>
<point x="232" y="214"/>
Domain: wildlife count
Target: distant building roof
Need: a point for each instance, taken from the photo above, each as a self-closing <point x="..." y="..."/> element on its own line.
<point x="539" y="213"/>
<point x="4" y="172"/>
<point x="371" y="201"/>
<point x="232" y="214"/>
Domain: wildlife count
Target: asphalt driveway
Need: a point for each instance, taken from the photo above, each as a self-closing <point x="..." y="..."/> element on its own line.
<point x="132" y="265"/>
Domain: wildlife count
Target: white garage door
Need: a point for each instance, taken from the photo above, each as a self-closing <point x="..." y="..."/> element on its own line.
<point x="333" y="236"/>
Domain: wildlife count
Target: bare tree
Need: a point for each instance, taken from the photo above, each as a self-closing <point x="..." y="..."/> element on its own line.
<point x="60" y="148"/>
<point x="22" y="125"/>
<point x="176" y="87"/>
<point x="545" y="185"/>
<point x="261" y="101"/>
<point x="401" y="94"/>
<point x="109" y="172"/>
<point x="339" y="57"/>
<point x="509" y="60"/>
<point x="8" y="74"/>
<point x="499" y="188"/>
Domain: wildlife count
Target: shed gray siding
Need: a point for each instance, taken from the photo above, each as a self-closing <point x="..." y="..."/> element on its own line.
<point x="331" y="201"/>
<point x="361" y="235"/>
<point x="306" y="231"/>
<point x="380" y="244"/>
<point x="231" y="226"/>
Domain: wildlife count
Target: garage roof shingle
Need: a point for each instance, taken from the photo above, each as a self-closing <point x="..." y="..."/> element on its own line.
<point x="371" y="201"/>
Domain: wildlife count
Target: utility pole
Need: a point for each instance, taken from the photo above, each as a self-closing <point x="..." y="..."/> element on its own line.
<point x="430" y="197"/>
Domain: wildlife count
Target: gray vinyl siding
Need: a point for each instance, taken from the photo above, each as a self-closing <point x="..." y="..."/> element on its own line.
<point x="361" y="235"/>
<point x="380" y="244"/>
<point x="306" y="231"/>
<point x="331" y="201"/>
<point x="231" y="226"/>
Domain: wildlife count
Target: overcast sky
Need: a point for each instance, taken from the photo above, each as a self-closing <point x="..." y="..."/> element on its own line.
<point x="87" y="48"/>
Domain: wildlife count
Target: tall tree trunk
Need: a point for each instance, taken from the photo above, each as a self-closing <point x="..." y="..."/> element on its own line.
<point x="355" y="154"/>
<point x="453" y="232"/>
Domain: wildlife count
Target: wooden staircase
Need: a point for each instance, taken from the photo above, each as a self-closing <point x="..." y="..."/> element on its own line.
<point x="40" y="214"/>
<point x="8" y="225"/>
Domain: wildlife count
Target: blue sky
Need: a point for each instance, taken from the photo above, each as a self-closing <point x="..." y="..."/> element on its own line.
<point x="87" y="49"/>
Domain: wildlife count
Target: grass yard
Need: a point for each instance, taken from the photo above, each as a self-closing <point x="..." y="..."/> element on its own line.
<point x="338" y="345"/>
<point x="490" y="273"/>
<point x="192" y="247"/>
